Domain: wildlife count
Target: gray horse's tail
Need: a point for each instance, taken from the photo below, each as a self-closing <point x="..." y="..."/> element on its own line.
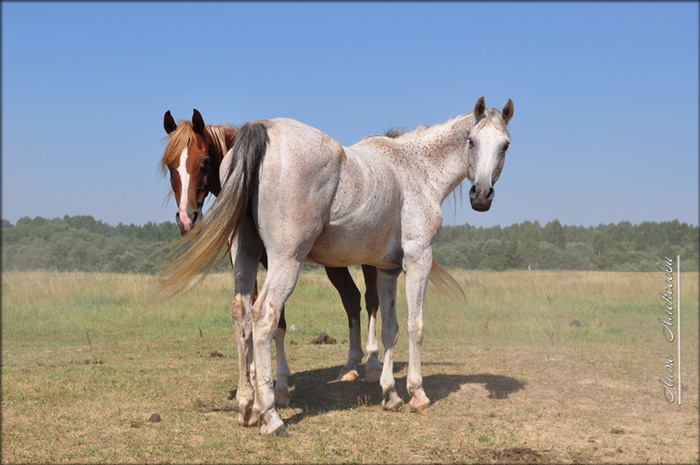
<point x="205" y="243"/>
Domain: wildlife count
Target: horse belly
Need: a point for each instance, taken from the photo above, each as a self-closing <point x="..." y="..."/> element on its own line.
<point x="359" y="243"/>
<point x="363" y="226"/>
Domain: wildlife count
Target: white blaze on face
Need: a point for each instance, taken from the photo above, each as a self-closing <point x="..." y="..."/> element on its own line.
<point x="184" y="190"/>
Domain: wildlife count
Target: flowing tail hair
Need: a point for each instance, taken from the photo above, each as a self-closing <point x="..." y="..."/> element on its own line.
<point x="204" y="244"/>
<point x="445" y="283"/>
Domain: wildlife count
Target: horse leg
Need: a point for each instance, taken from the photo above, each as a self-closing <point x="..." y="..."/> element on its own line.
<point x="266" y="311"/>
<point x="386" y="286"/>
<point x="373" y="369"/>
<point x="282" y="395"/>
<point x="417" y="267"/>
<point x="245" y="253"/>
<point x="350" y="296"/>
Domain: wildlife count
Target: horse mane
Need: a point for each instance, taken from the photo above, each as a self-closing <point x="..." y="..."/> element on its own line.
<point x="393" y="133"/>
<point x="182" y="137"/>
<point x="218" y="138"/>
<point x="401" y="133"/>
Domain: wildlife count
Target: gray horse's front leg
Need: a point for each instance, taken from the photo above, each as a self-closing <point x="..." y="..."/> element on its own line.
<point x="417" y="268"/>
<point x="386" y="286"/>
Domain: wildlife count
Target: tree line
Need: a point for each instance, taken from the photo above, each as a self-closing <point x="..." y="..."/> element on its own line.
<point x="618" y="247"/>
<point x="81" y="243"/>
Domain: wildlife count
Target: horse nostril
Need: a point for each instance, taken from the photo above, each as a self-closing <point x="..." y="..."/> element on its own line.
<point x="178" y="221"/>
<point x="484" y="194"/>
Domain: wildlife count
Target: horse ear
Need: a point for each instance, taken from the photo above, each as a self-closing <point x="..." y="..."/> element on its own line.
<point x="507" y="111"/>
<point x="197" y="122"/>
<point x="169" y="122"/>
<point x="479" y="108"/>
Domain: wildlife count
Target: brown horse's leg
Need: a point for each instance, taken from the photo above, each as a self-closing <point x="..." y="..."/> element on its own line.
<point x="350" y="296"/>
<point x="282" y="395"/>
<point x="373" y="369"/>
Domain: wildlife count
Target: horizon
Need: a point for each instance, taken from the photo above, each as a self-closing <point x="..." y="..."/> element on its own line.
<point x="542" y="224"/>
<point x="605" y="127"/>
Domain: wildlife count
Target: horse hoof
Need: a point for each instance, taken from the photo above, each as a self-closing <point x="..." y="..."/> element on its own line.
<point x="372" y="376"/>
<point x="348" y="375"/>
<point x="419" y="405"/>
<point x="393" y="404"/>
<point x="282" y="398"/>
<point x="279" y="432"/>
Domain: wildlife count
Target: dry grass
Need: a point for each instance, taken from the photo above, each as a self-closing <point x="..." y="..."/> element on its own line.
<point x="510" y="379"/>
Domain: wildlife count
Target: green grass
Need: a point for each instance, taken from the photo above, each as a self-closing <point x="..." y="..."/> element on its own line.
<point x="87" y="358"/>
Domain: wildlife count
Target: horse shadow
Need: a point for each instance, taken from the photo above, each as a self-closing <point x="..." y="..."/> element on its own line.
<point x="317" y="391"/>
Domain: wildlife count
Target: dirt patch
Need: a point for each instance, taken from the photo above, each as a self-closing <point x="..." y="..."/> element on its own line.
<point x="512" y="455"/>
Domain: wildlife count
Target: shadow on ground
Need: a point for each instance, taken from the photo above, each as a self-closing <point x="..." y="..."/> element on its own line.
<point x="317" y="391"/>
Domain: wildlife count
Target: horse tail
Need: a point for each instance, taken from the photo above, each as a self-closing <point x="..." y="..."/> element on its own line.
<point x="204" y="244"/>
<point x="447" y="284"/>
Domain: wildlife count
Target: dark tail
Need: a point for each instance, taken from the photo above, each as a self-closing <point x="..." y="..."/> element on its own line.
<point x="205" y="243"/>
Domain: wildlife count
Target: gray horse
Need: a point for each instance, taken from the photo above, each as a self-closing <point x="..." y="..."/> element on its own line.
<point x="298" y="193"/>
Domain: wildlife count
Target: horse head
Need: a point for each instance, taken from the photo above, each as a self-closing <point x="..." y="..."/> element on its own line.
<point x="192" y="160"/>
<point x="486" y="152"/>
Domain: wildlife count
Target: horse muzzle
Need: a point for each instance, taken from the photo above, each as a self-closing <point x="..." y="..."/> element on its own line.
<point x="189" y="222"/>
<point x="480" y="196"/>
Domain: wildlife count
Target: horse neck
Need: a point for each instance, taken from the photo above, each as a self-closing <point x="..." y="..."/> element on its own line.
<point x="220" y="140"/>
<point x="442" y="151"/>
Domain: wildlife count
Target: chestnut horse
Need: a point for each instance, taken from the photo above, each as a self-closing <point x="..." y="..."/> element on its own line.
<point x="301" y="195"/>
<point x="192" y="158"/>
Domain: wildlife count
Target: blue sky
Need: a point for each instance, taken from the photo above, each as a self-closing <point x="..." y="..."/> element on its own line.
<point x="606" y="96"/>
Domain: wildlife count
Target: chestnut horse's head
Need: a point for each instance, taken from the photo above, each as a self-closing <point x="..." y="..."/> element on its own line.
<point x="192" y="158"/>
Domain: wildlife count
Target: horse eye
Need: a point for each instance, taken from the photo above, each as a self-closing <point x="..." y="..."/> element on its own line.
<point x="471" y="142"/>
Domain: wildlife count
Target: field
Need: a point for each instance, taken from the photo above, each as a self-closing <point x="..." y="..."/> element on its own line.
<point x="538" y="367"/>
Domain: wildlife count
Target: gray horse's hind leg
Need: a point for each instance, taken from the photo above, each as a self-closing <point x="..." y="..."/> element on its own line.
<point x="279" y="284"/>
<point x="245" y="254"/>
<point x="282" y="395"/>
